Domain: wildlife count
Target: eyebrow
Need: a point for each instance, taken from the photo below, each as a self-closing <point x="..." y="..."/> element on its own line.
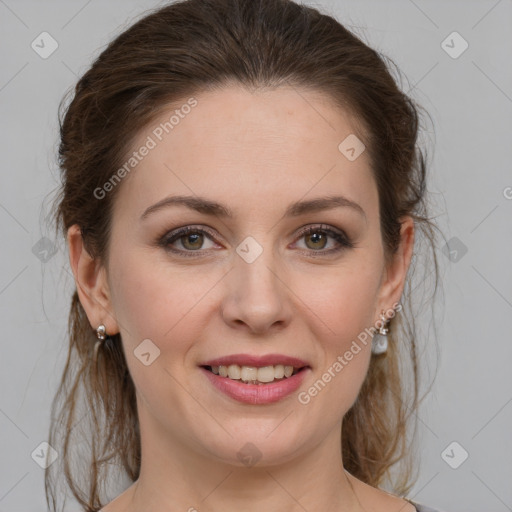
<point x="207" y="207"/>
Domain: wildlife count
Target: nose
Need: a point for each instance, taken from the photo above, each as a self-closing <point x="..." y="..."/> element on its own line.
<point x="256" y="298"/>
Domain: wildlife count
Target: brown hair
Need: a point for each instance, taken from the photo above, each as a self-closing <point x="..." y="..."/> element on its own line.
<point x="173" y="53"/>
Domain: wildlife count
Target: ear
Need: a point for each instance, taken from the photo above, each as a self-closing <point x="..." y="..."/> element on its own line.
<point x="91" y="283"/>
<point x="395" y="272"/>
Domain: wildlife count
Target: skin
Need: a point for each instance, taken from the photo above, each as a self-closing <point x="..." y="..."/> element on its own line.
<point x="256" y="153"/>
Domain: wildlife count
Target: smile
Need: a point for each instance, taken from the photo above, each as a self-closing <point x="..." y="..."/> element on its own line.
<point x="253" y="374"/>
<point x="252" y="391"/>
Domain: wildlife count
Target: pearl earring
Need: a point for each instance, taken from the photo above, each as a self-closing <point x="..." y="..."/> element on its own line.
<point x="380" y="338"/>
<point x="101" y="334"/>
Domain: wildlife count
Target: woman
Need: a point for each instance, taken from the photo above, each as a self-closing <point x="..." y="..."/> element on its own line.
<point x="242" y="190"/>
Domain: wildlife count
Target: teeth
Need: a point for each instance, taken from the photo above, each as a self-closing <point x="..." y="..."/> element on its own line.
<point x="249" y="373"/>
<point x="266" y="374"/>
<point x="279" y="371"/>
<point x="234" y="371"/>
<point x="253" y="374"/>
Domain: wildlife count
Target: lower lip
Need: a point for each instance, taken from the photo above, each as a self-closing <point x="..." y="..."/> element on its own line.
<point x="256" y="393"/>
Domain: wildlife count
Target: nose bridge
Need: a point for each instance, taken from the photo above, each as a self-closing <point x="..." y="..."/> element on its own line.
<point x="256" y="264"/>
<point x="256" y="293"/>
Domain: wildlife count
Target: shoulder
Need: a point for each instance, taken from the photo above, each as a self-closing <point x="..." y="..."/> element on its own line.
<point x="420" y="507"/>
<point x="374" y="498"/>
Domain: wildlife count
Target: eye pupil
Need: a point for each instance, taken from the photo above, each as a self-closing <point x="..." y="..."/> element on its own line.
<point x="198" y="237"/>
<point x="317" y="238"/>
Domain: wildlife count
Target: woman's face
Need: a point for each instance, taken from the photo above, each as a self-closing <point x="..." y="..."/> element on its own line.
<point x="250" y="285"/>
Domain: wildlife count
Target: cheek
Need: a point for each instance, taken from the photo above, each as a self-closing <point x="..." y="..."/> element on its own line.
<point x="341" y="307"/>
<point x="350" y="316"/>
<point x="346" y="314"/>
<point x="153" y="301"/>
<point x="342" y="299"/>
<point x="147" y="303"/>
<point x="152" y="305"/>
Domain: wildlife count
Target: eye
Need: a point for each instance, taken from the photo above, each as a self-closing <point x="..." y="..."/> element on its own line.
<point x="317" y="239"/>
<point x="190" y="238"/>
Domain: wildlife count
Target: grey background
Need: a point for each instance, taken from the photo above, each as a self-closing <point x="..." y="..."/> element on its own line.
<point x="470" y="102"/>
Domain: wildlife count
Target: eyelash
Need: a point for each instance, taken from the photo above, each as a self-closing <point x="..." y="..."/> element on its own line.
<point x="340" y="237"/>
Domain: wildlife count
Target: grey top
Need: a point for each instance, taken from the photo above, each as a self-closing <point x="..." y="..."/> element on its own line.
<point x="422" y="508"/>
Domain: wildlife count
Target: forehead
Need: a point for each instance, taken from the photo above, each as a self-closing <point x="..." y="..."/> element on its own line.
<point x="247" y="149"/>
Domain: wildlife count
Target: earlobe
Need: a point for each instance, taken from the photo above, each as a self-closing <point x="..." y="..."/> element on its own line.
<point x="91" y="282"/>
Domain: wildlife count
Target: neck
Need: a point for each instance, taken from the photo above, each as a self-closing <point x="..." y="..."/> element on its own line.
<point x="175" y="476"/>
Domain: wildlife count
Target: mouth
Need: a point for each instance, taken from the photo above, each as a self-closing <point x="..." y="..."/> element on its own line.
<point x="256" y="380"/>
<point x="259" y="375"/>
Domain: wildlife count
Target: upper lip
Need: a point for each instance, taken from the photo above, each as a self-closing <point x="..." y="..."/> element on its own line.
<point x="259" y="361"/>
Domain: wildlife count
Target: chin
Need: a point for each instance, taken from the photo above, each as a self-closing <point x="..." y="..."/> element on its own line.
<point x="257" y="446"/>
